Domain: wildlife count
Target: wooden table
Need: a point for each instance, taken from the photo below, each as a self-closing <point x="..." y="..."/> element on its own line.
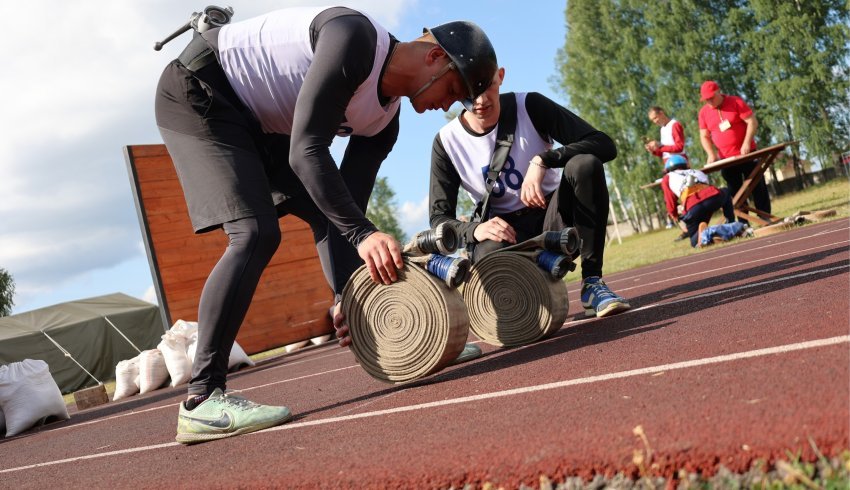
<point x="764" y="159"/>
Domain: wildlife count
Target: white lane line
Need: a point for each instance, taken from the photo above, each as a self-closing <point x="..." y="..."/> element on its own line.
<point x="92" y="456"/>
<point x="782" y="349"/>
<point x="737" y="265"/>
<point x="709" y="256"/>
<point x="567" y="324"/>
<point x="719" y="255"/>
<point x="302" y="361"/>
<point x="708" y="294"/>
<point x="742" y="287"/>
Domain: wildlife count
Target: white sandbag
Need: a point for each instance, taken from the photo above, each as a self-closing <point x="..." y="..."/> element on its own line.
<point x="126" y="378"/>
<point x="191" y="345"/>
<point x="238" y="358"/>
<point x="295" y="346"/>
<point x="152" y="370"/>
<point x="321" y="339"/>
<point x="184" y="329"/>
<point x="29" y="395"/>
<point x="173" y="348"/>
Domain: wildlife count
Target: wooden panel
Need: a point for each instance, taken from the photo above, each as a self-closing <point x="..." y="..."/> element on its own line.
<point x="292" y="299"/>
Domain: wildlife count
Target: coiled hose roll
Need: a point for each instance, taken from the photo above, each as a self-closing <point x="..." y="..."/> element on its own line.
<point x="415" y="326"/>
<point x="511" y="300"/>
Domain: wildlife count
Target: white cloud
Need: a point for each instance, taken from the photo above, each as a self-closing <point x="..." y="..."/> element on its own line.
<point x="150" y="296"/>
<point x="78" y="86"/>
<point x="414" y="216"/>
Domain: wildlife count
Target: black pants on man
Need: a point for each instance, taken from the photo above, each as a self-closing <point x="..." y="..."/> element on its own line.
<point x="581" y="201"/>
<point x="735" y="176"/>
<point x="219" y="150"/>
<point x="701" y="213"/>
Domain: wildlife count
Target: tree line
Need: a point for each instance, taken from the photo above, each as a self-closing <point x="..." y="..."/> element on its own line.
<point x="787" y="58"/>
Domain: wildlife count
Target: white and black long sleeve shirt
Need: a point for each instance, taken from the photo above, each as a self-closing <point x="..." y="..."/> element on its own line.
<point x="313" y="83"/>
<point x="460" y="157"/>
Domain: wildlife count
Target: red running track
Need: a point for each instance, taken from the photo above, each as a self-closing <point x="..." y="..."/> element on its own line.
<point x="732" y="355"/>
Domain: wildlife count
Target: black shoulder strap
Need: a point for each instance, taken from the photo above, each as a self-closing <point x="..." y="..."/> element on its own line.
<point x="197" y="53"/>
<point x="504" y="140"/>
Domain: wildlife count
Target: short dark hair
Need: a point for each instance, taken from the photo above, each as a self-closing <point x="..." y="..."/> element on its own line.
<point x="655" y="108"/>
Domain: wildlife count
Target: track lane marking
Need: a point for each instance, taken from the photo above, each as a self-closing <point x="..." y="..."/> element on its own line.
<point x="712" y="293"/>
<point x="715" y="254"/>
<point x="708" y="271"/>
<point x="782" y="349"/>
<point x="567" y="324"/>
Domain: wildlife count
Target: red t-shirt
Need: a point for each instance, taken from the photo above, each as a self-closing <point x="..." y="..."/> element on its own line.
<point x="734" y="110"/>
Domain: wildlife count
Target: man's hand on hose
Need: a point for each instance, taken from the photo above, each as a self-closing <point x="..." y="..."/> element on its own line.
<point x="340" y="325"/>
<point x="495" y="229"/>
<point x="382" y="255"/>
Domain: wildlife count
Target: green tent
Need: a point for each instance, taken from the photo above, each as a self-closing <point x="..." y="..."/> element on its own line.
<point x="82" y="340"/>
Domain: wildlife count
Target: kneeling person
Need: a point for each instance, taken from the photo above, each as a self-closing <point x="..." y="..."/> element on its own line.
<point x="529" y="196"/>
<point x="690" y="198"/>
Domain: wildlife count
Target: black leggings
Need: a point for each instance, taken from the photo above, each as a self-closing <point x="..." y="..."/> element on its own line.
<point x="230" y="287"/>
<point x="227" y="295"/>
<point x="581" y="201"/>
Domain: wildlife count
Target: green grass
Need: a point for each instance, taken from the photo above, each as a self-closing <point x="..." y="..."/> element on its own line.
<point x="787" y="474"/>
<point x="657" y="246"/>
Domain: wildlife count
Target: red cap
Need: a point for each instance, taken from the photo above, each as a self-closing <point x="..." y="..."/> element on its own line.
<point x="708" y="89"/>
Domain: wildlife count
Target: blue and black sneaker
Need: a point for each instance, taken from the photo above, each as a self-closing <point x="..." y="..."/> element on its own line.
<point x="598" y="299"/>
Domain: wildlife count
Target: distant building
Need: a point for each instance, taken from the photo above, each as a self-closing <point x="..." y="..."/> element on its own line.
<point x="784" y="167"/>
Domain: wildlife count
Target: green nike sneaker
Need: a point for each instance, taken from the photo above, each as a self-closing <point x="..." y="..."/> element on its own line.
<point x="225" y="415"/>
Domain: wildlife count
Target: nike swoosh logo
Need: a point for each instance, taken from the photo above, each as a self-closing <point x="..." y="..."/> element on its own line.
<point x="224" y="421"/>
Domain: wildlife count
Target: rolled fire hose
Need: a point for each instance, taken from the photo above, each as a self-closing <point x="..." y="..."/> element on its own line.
<point x="512" y="300"/>
<point x="415" y="326"/>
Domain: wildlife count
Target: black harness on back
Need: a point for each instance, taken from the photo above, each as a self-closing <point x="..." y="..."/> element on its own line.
<point x="198" y="53"/>
<point x="504" y="140"/>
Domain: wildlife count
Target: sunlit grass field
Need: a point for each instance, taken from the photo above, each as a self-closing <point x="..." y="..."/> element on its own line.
<point x="657" y="246"/>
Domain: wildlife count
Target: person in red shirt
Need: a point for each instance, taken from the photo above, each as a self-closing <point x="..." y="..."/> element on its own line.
<point x="672" y="140"/>
<point x="728" y="124"/>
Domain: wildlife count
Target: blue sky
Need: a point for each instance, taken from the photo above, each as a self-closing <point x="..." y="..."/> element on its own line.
<point x="80" y="90"/>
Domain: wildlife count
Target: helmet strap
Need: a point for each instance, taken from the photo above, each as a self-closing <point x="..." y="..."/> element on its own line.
<point x="443" y="71"/>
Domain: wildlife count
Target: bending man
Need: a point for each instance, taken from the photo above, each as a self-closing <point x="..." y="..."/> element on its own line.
<point x="248" y="113"/>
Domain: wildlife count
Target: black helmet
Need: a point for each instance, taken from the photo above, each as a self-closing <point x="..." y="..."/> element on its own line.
<point x="471" y="51"/>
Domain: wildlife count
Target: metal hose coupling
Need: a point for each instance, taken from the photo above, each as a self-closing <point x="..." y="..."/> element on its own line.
<point x="453" y="270"/>
<point x="557" y="265"/>
<point x="443" y="240"/>
<point x="212" y="16"/>
<point x="566" y="241"/>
